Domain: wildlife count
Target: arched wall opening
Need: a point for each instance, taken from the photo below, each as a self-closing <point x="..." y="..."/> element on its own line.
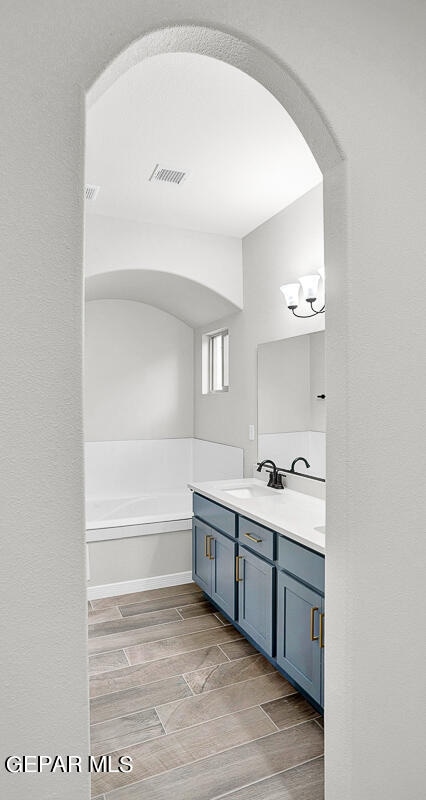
<point x="296" y="100"/>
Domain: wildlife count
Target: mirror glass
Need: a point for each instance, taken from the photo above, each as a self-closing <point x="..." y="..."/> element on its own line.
<point x="291" y="411"/>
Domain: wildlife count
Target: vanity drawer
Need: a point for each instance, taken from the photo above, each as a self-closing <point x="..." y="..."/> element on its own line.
<point x="256" y="537"/>
<point x="219" y="517"/>
<point x="303" y="563"/>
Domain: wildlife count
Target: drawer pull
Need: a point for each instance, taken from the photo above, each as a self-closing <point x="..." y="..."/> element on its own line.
<point x="321" y="630"/>
<point x="209" y="548"/>
<point x="206" y="547"/>
<point x="237" y="569"/>
<point x="253" y="538"/>
<point x="313" y="637"/>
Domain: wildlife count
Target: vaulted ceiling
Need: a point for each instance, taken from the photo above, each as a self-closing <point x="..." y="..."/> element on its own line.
<point x="244" y="157"/>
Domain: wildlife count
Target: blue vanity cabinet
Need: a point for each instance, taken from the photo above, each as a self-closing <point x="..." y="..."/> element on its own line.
<point x="269" y="585"/>
<point x="213" y="555"/>
<point x="222" y="554"/>
<point x="300" y="634"/>
<point x="201" y="562"/>
<point x="255" y="580"/>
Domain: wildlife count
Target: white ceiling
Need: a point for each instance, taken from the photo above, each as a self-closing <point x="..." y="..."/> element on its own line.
<point x="190" y="301"/>
<point x="246" y="157"/>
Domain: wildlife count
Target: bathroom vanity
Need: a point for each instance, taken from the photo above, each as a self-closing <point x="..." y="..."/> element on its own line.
<point x="259" y="556"/>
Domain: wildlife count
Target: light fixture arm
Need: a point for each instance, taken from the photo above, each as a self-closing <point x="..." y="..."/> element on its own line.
<point x="314" y="310"/>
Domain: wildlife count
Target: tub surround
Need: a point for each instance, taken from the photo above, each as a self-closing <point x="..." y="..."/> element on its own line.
<point x="292" y="514"/>
<point x="117" y="469"/>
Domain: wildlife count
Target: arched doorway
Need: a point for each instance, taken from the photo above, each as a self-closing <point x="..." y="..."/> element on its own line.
<point x="278" y="80"/>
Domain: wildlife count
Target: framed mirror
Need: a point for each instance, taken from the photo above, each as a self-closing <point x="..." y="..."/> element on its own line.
<point x="292" y="403"/>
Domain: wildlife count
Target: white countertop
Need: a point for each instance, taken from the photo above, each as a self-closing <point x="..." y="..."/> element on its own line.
<point x="291" y="513"/>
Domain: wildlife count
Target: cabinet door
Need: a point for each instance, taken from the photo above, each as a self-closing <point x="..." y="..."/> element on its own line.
<point x="201" y="561"/>
<point x="223" y="576"/>
<point x="255" y="594"/>
<point x="298" y="635"/>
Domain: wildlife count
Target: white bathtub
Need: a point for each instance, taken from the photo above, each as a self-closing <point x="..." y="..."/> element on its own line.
<point x="138" y="535"/>
<point x="116" y="518"/>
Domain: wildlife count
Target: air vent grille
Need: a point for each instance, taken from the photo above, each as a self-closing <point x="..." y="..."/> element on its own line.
<point x="91" y="191"/>
<point x="167" y="175"/>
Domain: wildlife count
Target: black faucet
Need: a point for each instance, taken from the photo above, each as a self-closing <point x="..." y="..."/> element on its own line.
<point x="275" y="477"/>
<point x="299" y="459"/>
<point x="292" y="471"/>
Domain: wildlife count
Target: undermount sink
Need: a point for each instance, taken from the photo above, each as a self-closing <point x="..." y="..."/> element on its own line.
<point x="246" y="492"/>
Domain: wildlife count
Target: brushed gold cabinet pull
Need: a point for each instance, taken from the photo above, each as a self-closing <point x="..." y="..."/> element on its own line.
<point x="313" y="637"/>
<point x="321" y="630"/>
<point x="253" y="538"/>
<point x="206" y="550"/>
<point x="210" y="538"/>
<point x="237" y="569"/>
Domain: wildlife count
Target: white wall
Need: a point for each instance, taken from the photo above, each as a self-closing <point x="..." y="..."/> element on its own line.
<point x="279" y="251"/>
<point x="138" y="373"/>
<point x="363" y="64"/>
<point x="216" y="261"/>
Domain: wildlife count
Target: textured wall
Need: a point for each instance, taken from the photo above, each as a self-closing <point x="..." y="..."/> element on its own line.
<point x="364" y="64"/>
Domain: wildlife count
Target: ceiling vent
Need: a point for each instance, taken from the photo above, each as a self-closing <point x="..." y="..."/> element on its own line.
<point x="91" y="191"/>
<point x="167" y="175"/>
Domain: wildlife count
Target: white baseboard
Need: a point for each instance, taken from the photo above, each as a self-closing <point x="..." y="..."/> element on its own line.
<point x="138" y="585"/>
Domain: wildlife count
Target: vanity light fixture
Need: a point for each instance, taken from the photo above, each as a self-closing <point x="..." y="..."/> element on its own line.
<point x="309" y="284"/>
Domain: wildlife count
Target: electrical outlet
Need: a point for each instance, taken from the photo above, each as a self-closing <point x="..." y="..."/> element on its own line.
<point x="251" y="433"/>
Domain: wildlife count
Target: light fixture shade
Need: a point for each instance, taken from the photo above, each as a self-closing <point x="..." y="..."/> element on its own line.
<point x="291" y="294"/>
<point x="310" y="286"/>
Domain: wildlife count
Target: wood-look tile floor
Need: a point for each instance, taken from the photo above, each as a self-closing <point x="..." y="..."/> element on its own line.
<point x="201" y="713"/>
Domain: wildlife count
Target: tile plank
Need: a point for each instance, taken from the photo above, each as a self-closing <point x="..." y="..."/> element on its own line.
<point x="107" y="662"/>
<point x="230" y="770"/>
<point x="152" y="633"/>
<point x="140" y="597"/>
<point x="209" y="705"/>
<point x="181" y="644"/>
<point x="305" y="782"/>
<point x="109" y="706"/>
<point x="229" y="672"/>
<point x="125" y="731"/>
<point x="140" y="674"/>
<point x="103" y="615"/>
<point x="221" y="617"/>
<point x="172" y="601"/>
<point x="289" y="711"/>
<point x="132" y="623"/>
<point x="238" y="649"/>
<point x="196" y="610"/>
<point x="177" y="749"/>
